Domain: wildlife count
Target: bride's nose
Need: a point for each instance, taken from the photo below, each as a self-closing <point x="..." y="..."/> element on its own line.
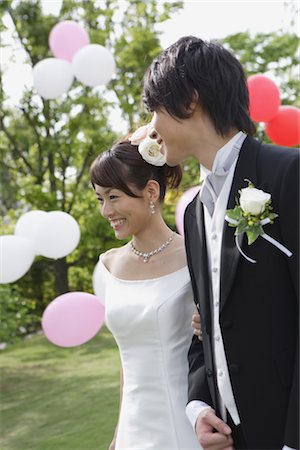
<point x="153" y="134"/>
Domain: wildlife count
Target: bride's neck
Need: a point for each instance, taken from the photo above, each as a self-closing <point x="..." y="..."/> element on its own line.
<point x="152" y="236"/>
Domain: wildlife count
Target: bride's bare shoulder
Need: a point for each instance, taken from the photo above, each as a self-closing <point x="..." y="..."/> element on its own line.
<point x="110" y="256"/>
<point x="179" y="249"/>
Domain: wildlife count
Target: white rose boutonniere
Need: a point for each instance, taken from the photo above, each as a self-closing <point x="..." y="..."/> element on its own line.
<point x="148" y="147"/>
<point x="251" y="213"/>
<point x="254" y="201"/>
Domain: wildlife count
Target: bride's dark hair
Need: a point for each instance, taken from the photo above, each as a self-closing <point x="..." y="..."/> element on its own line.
<point x="122" y="166"/>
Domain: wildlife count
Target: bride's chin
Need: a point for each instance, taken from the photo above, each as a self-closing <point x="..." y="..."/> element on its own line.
<point x="121" y="236"/>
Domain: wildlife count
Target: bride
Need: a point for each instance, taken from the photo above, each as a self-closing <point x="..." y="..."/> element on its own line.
<point x="148" y="296"/>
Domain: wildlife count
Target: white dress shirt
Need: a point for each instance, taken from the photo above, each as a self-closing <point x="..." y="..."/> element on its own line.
<point x="214" y="230"/>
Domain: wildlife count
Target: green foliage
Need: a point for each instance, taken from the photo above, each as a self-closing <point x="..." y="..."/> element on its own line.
<point x="134" y="50"/>
<point x="47" y="147"/>
<point x="191" y="174"/>
<point x="273" y="54"/>
<point x="270" y="53"/>
<point x="17" y="315"/>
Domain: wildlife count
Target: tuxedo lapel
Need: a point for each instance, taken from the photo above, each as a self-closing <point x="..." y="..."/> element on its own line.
<point x="203" y="283"/>
<point x="197" y="253"/>
<point x="245" y="169"/>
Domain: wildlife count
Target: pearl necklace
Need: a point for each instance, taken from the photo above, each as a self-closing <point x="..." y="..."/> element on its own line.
<point x="147" y="255"/>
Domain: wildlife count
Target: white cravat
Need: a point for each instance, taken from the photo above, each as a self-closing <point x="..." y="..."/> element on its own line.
<point x="215" y="179"/>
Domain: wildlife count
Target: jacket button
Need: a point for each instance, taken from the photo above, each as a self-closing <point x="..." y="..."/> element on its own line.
<point x="234" y="368"/>
<point x="209" y="372"/>
<point x="227" y="324"/>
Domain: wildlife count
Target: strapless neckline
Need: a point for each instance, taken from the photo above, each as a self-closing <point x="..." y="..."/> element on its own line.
<point x="145" y="280"/>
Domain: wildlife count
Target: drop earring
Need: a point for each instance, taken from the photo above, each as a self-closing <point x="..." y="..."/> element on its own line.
<point x="151" y="207"/>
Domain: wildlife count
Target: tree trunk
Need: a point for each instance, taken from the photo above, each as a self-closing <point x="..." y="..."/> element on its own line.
<point x="61" y="276"/>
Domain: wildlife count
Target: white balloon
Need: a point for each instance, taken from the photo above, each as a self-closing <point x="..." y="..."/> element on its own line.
<point x="93" y="65"/>
<point x="17" y="255"/>
<point x="28" y="224"/>
<point x="52" y="77"/>
<point x="58" y="235"/>
<point x="98" y="285"/>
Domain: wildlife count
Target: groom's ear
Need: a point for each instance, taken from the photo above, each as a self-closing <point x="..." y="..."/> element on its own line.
<point x="192" y="106"/>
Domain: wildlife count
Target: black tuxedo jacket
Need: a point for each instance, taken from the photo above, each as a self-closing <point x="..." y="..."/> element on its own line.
<point x="258" y="304"/>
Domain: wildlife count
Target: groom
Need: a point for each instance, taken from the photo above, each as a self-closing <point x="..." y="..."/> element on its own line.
<point x="243" y="379"/>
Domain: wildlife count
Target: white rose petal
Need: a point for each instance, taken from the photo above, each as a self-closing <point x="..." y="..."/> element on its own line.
<point x="139" y="135"/>
<point x="253" y="200"/>
<point x="150" y="152"/>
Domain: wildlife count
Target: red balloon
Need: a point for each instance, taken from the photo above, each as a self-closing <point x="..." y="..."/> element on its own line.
<point x="264" y="98"/>
<point x="284" y="128"/>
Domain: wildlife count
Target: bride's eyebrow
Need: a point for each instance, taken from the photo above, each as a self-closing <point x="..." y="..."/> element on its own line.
<point x="106" y="191"/>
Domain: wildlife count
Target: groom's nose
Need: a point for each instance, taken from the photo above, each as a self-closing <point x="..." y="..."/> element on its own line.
<point x="153" y="134"/>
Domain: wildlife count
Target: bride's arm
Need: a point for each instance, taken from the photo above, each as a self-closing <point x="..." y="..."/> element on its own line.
<point x="113" y="442"/>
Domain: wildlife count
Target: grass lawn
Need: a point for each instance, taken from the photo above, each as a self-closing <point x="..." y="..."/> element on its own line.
<point x="59" y="399"/>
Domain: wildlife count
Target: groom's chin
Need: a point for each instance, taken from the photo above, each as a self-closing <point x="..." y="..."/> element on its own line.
<point x="172" y="163"/>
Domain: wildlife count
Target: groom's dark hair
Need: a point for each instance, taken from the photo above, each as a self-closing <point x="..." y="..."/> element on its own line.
<point x="192" y="69"/>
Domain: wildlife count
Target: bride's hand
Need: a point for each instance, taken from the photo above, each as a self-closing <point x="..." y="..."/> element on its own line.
<point x="196" y="325"/>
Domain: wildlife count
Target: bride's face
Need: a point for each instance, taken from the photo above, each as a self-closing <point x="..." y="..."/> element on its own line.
<point x="126" y="215"/>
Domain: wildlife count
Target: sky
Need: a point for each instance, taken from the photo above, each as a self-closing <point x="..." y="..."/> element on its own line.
<point x="206" y="19"/>
<point x="218" y="19"/>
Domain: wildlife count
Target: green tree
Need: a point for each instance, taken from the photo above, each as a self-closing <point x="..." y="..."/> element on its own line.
<point x="274" y="53"/>
<point x="270" y="54"/>
<point x="47" y="146"/>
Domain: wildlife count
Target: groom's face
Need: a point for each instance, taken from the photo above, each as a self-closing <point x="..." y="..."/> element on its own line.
<point x="174" y="136"/>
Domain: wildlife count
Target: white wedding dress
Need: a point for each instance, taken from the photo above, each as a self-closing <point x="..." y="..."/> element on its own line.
<point x="151" y="323"/>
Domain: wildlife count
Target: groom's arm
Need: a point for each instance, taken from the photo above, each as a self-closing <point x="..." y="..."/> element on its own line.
<point x="289" y="227"/>
<point x="197" y="378"/>
<point x="211" y="431"/>
<point x="194" y="409"/>
<point x="289" y="202"/>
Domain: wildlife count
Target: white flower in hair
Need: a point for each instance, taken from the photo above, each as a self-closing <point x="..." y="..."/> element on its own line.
<point x="139" y="135"/>
<point x="150" y="151"/>
<point x="148" y="147"/>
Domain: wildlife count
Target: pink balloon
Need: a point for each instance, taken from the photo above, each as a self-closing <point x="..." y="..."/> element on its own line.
<point x="66" y="38"/>
<point x="184" y="200"/>
<point x="73" y="319"/>
<point x="264" y="98"/>
<point x="284" y="128"/>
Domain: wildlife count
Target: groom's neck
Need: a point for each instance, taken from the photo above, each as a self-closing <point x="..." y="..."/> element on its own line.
<point x="209" y="145"/>
<point x="205" y="141"/>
